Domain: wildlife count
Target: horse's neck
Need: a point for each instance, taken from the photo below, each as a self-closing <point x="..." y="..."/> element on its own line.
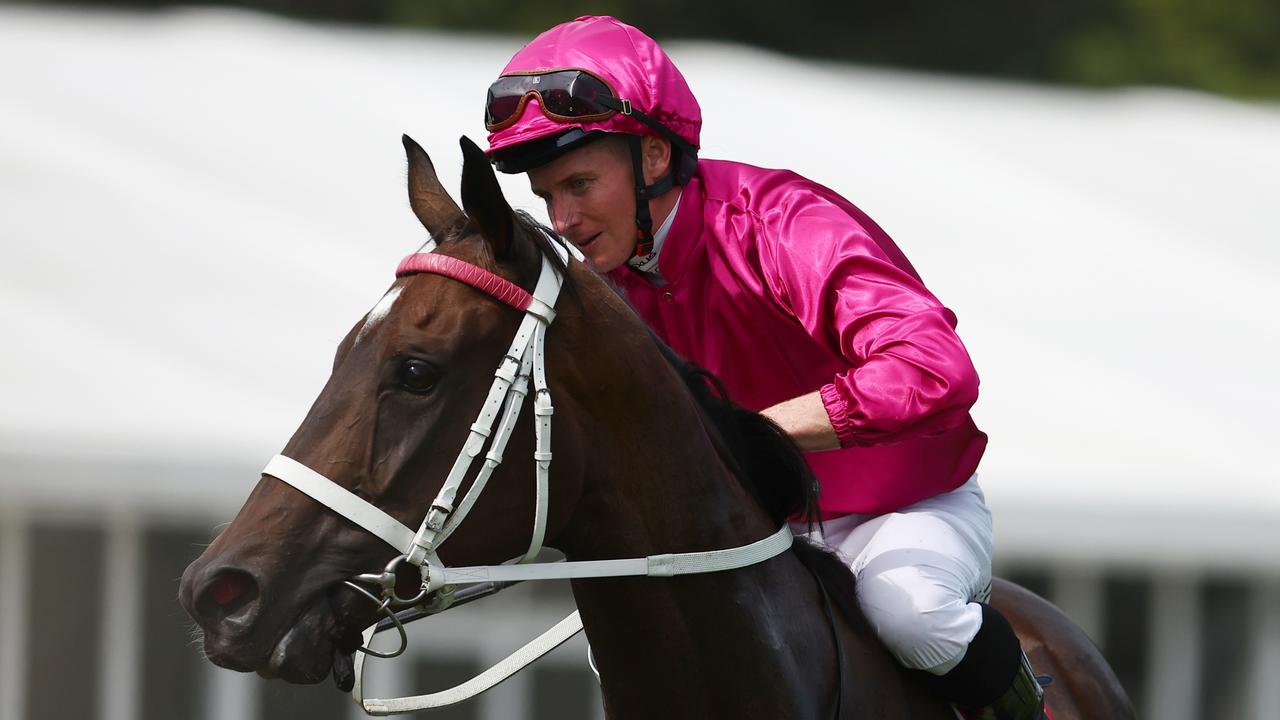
<point x="752" y="635"/>
<point x="657" y="479"/>
<point x="741" y="643"/>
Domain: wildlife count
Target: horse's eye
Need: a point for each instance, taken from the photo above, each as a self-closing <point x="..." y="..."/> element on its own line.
<point x="417" y="375"/>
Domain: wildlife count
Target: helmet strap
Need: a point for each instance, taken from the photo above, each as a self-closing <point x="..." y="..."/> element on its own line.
<point x="644" y="221"/>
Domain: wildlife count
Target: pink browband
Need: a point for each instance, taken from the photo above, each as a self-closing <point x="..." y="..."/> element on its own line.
<point x="463" y="271"/>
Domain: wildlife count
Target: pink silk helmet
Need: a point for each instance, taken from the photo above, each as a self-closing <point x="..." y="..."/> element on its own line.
<point x="629" y="61"/>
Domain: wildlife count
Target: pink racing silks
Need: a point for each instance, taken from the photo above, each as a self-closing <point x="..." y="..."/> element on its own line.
<point x="781" y="287"/>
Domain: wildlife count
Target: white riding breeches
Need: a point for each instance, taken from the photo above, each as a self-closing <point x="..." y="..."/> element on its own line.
<point x="920" y="573"/>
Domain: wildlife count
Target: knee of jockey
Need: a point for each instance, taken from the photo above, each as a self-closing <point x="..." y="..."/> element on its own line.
<point x="925" y="628"/>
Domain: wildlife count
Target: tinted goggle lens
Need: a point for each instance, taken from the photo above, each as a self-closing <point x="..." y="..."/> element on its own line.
<point x="563" y="95"/>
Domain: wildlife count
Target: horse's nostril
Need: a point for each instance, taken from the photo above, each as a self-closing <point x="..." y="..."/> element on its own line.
<point x="226" y="594"/>
<point x="228" y="586"/>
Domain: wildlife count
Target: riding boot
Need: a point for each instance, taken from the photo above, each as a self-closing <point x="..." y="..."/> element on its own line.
<point x="993" y="681"/>
<point x="1024" y="700"/>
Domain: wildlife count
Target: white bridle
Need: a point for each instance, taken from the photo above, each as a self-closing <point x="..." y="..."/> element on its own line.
<point x="526" y="358"/>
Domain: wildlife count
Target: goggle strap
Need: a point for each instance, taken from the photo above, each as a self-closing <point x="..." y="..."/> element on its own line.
<point x="626" y="108"/>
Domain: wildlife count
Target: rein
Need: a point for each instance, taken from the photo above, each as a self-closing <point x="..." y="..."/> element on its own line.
<point x="525" y="360"/>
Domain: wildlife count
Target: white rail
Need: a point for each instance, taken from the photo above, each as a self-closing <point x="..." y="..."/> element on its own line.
<point x="14" y="572"/>
<point x="1173" y="649"/>
<point x="120" y="651"/>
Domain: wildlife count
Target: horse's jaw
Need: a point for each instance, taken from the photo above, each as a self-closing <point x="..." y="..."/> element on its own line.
<point x="304" y="654"/>
<point x="317" y="644"/>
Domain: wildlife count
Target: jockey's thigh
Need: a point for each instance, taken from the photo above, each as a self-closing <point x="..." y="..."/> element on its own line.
<point x="920" y="572"/>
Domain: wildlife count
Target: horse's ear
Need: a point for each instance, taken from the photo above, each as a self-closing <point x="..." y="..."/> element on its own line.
<point x="439" y="214"/>
<point x="482" y="198"/>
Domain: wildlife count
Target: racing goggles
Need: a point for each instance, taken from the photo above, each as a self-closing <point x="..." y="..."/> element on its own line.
<point x="568" y="96"/>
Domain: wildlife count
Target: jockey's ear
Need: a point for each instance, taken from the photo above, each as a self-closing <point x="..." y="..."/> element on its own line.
<point x="437" y="212"/>
<point x="656" y="152"/>
<point x="482" y="198"/>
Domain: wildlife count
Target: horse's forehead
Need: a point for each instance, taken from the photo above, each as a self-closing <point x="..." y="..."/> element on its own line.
<point x="415" y="298"/>
<point x="379" y="312"/>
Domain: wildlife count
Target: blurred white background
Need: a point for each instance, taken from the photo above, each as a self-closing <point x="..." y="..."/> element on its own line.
<point x="196" y="205"/>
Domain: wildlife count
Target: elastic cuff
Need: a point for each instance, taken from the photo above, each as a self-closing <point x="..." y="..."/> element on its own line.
<point x="837" y="412"/>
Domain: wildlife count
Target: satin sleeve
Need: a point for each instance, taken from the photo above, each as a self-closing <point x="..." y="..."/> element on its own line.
<point x="909" y="375"/>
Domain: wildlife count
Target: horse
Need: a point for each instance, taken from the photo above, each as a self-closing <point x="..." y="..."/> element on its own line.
<point x="651" y="457"/>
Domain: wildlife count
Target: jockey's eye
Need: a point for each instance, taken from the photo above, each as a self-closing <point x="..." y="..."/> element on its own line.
<point x="417" y="375"/>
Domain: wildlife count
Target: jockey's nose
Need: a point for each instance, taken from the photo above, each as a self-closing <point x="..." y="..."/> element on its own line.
<point x="563" y="217"/>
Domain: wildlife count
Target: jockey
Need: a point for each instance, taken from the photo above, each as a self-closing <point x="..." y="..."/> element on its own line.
<point x="807" y="311"/>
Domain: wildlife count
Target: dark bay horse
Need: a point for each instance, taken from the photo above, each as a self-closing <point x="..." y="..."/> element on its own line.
<point x="648" y="459"/>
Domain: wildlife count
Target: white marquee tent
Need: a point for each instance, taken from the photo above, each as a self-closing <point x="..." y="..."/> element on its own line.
<point x="195" y="206"/>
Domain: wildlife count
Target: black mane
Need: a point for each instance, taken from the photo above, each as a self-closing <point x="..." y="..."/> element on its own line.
<point x="543" y="237"/>
<point x="772" y="468"/>
<point x="763" y="457"/>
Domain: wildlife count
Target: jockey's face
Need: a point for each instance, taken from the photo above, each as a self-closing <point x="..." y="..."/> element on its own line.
<point x="590" y="196"/>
